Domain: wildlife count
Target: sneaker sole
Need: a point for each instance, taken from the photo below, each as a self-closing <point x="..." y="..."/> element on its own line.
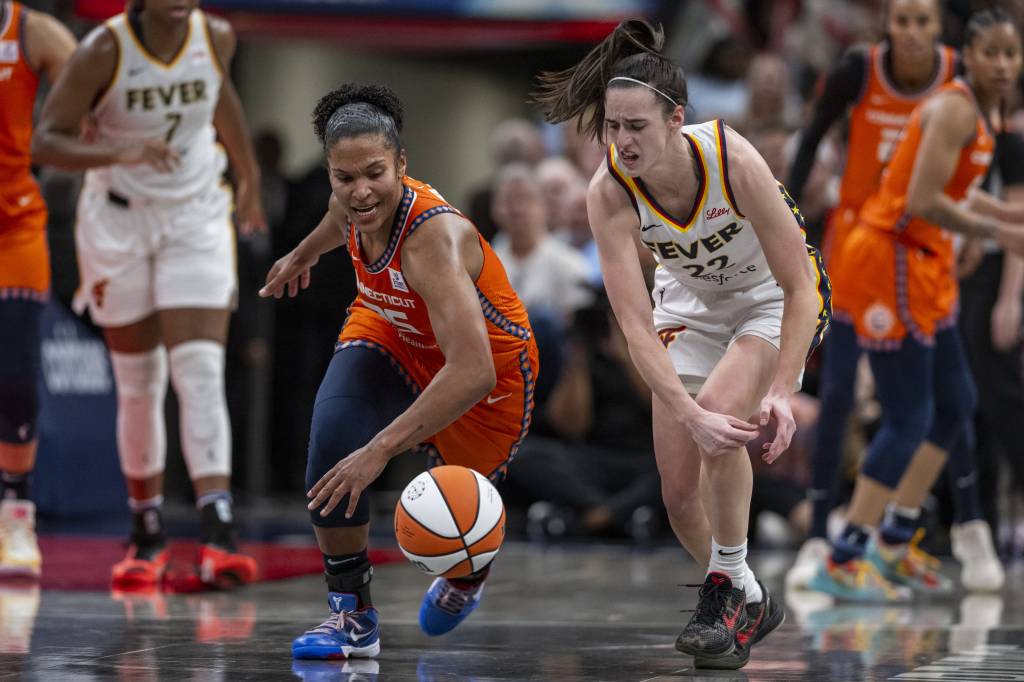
<point x="843" y="593"/>
<point x="734" y="661"/>
<point x="703" y="653"/>
<point x="324" y="653"/>
<point x="10" y="571"/>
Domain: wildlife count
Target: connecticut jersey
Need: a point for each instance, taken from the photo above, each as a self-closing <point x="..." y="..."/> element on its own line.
<point x="172" y="101"/>
<point x="714" y="247"/>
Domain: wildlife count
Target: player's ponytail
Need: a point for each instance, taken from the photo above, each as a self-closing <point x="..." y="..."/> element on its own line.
<point x="632" y="51"/>
<point x="354" y="110"/>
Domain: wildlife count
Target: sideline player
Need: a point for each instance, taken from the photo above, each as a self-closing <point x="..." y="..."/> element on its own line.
<point x="436" y="350"/>
<point x="897" y="270"/>
<point x="33" y="45"/>
<point x="739" y="297"/>
<point x="156" y="251"/>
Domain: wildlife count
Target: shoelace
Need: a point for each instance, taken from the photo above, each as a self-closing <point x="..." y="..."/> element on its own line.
<point x="708" y="610"/>
<point x="452" y="599"/>
<point x="919" y="556"/>
<point x="336" y="622"/>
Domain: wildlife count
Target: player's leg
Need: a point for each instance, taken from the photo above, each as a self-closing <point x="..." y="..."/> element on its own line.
<point x="903" y="382"/>
<point x="20" y="337"/>
<point x="838" y="376"/>
<point x="362" y="392"/>
<point x="484" y="439"/>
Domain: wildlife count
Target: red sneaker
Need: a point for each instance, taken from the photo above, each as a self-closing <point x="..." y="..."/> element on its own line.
<point x="224" y="569"/>
<point x="139" y="571"/>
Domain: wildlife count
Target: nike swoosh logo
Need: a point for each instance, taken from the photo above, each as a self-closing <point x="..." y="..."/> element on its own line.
<point x="355" y="637"/>
<point x="493" y="399"/>
<point x="644" y="228"/>
<point x="332" y="562"/>
<point x="135" y="72"/>
<point x="729" y="553"/>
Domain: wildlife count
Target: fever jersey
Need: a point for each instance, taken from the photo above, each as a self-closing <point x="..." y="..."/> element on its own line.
<point x="383" y="290"/>
<point x="886" y="210"/>
<point x="876" y="121"/>
<point x="19" y="194"/>
<point x="171" y="101"/>
<point x="714" y="246"/>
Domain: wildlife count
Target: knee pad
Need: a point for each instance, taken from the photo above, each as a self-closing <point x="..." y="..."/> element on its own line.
<point x="141" y="380"/>
<point x="197" y="373"/>
<point x="19" y="405"/>
<point x="341" y="425"/>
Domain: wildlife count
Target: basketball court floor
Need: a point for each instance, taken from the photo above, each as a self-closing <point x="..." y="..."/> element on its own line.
<point x="557" y="613"/>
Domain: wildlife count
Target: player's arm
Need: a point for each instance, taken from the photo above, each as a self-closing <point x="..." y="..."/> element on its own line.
<point x="758" y="196"/>
<point x="83" y="80"/>
<point x="1008" y="155"/>
<point x="48" y="44"/>
<point x="229" y="120"/>
<point x="1006" y="315"/>
<point x="436" y="263"/>
<point x="842" y="88"/>
<point x="291" y="272"/>
<point x="613" y="222"/>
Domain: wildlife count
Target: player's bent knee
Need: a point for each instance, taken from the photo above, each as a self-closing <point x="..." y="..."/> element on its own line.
<point x="19" y="405"/>
<point x="680" y="498"/>
<point x="197" y="372"/>
<point x="341" y="425"/>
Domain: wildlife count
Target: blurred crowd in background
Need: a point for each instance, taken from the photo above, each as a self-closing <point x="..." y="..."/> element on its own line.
<point x="587" y="469"/>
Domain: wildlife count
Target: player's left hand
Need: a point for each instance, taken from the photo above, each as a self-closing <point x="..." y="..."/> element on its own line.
<point x="249" y="208"/>
<point x="351" y="476"/>
<point x="776" y="406"/>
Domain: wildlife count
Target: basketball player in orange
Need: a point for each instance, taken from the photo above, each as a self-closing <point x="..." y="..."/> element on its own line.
<point x="877" y="86"/>
<point x="156" y="252"/>
<point x="897" y="272"/>
<point x="33" y="45"/>
<point x="436" y="352"/>
<point x="739" y="301"/>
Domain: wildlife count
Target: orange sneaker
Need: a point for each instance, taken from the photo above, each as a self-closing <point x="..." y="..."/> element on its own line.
<point x="135" y="572"/>
<point x="224" y="568"/>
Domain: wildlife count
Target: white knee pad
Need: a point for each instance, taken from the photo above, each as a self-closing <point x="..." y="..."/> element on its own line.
<point x="141" y="380"/>
<point x="197" y="372"/>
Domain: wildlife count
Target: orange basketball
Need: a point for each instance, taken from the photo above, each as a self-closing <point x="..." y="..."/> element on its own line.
<point x="450" y="521"/>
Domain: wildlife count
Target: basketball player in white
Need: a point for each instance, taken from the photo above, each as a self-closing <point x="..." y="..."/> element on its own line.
<point x="739" y="300"/>
<point x="156" y="250"/>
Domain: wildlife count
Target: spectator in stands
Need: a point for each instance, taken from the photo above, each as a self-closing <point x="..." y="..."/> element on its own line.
<point x="514" y="140"/>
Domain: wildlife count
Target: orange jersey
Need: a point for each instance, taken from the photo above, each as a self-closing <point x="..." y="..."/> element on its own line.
<point x="24" y="260"/>
<point x="876" y="121"/>
<point x="898" y="270"/>
<point x="390" y="316"/>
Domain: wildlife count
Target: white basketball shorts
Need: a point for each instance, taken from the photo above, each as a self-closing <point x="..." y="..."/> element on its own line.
<point x="698" y="326"/>
<point x="136" y="258"/>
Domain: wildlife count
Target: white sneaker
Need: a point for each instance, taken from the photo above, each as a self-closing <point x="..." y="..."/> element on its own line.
<point x="972" y="546"/>
<point x="809" y="559"/>
<point x="19" y="550"/>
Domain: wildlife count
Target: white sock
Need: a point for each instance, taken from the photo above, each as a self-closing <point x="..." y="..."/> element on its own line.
<point x="732" y="561"/>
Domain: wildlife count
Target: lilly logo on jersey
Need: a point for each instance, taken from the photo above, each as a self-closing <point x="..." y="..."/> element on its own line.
<point x="397" y="281"/>
<point x="716" y="212"/>
<point x="8" y="51"/>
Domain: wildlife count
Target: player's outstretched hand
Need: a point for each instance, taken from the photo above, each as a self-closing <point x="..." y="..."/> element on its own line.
<point x="351" y="476"/>
<point x="717" y="433"/>
<point x="157" y="154"/>
<point x="776" y="406"/>
<point x="249" y="209"/>
<point x="290" y="272"/>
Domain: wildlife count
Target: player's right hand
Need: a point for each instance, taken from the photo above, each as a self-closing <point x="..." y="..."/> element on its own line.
<point x="716" y="434"/>
<point x="157" y="154"/>
<point x="290" y="272"/>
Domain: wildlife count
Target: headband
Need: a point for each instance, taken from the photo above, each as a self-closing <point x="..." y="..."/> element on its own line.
<point x="646" y="85"/>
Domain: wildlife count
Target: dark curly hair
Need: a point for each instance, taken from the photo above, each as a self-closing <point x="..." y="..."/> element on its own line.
<point x="353" y="110"/>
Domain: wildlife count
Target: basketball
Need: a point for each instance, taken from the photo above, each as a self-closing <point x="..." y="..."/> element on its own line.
<point x="450" y="521"/>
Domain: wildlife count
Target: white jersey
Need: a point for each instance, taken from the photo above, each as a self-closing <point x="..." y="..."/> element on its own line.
<point x="172" y="101"/>
<point x="714" y="247"/>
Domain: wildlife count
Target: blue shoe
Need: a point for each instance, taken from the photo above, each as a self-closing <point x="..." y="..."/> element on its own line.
<point x="856" y="580"/>
<point x="348" y="633"/>
<point x="445" y="606"/>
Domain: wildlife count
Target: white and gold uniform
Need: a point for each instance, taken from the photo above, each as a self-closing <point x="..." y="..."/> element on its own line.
<point x="712" y="284"/>
<point x="149" y="240"/>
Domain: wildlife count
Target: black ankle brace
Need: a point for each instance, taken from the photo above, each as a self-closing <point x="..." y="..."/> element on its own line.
<point x="355" y="580"/>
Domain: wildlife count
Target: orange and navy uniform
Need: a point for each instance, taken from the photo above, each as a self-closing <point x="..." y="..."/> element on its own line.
<point x="875" y="123"/>
<point x="24" y="257"/>
<point x="390" y="317"/>
<point x="897" y="271"/>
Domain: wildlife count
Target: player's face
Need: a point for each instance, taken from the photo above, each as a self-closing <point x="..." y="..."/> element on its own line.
<point x="366" y="178"/>
<point x="914" y="26"/>
<point x="636" y="124"/>
<point x="993" y="59"/>
<point x="170" y="10"/>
